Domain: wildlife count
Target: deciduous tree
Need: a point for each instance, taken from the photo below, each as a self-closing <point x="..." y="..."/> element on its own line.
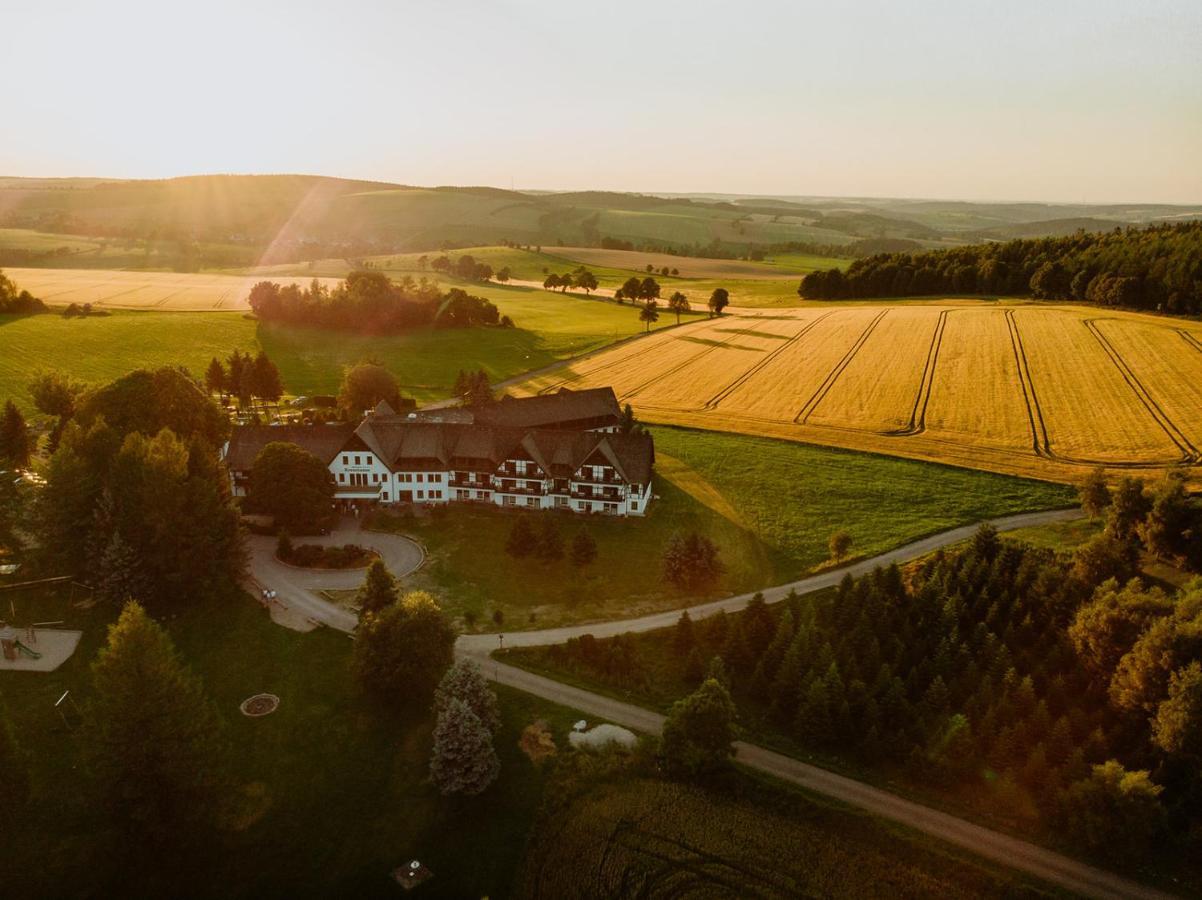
<point x="678" y="303"/>
<point x="293" y="486"/>
<point x="1094" y="493"/>
<point x="698" y="736"/>
<point x="649" y="314"/>
<point x="401" y="654"/>
<point x="1114" y="810"/>
<point x="365" y="385"/>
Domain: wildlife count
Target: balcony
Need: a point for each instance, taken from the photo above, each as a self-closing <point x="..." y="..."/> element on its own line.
<point x="594" y="495"/>
<point x="514" y="489"/>
<point x="483" y="482"/>
<point x="607" y="479"/>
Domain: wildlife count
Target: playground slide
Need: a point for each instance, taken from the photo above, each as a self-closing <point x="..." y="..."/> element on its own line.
<point x="32" y="654"/>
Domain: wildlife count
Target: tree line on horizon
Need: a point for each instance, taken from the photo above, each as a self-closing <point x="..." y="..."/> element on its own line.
<point x="1154" y="268"/>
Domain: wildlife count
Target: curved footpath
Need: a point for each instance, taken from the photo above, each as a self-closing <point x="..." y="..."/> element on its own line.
<point x="999" y="848"/>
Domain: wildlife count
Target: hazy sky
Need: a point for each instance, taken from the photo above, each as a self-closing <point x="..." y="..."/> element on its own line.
<point x="1083" y="101"/>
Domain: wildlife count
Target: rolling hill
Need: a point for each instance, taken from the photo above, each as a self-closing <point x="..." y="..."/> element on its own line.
<point x="201" y="222"/>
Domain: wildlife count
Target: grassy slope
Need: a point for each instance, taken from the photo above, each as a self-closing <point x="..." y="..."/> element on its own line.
<point x="347" y="789"/>
<point x="311" y="361"/>
<point x="770" y="505"/>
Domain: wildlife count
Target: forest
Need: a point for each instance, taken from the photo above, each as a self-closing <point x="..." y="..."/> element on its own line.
<point x="1057" y="689"/>
<point x="1155" y="268"/>
<point x="371" y="303"/>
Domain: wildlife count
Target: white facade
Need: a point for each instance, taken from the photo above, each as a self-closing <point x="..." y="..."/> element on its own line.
<point x="361" y="475"/>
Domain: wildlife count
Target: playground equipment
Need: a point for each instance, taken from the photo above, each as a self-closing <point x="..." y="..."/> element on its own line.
<point x="8" y="641"/>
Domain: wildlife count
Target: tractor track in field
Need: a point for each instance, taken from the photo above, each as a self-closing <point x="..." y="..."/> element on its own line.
<point x="715" y="400"/>
<point x="1039" y="429"/>
<point x="1190" y="339"/>
<point x="829" y="382"/>
<point x="688" y="362"/>
<point x="158" y="304"/>
<point x="605" y="366"/>
<point x="1189" y="453"/>
<point x="918" y="415"/>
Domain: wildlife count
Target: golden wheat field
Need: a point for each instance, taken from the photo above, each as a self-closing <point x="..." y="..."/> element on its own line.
<point x="1025" y="388"/>
<point x="169" y="291"/>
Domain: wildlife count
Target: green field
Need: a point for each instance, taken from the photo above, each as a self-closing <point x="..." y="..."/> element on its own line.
<point x="770" y="505"/>
<point x="549" y="328"/>
<point x="26" y="247"/>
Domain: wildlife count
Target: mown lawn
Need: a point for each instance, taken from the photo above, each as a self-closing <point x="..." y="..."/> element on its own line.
<point x="549" y="328"/>
<point x="345" y="786"/>
<point x="770" y="505"/>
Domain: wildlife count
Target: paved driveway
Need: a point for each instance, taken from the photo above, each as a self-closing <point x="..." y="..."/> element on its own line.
<point x="298" y="588"/>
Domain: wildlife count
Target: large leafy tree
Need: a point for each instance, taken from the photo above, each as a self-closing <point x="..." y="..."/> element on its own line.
<point x="1114" y="810"/>
<point x="678" y="303"/>
<point x="153" y="742"/>
<point x="1108" y="626"/>
<point x="56" y="394"/>
<point x="698" y="738"/>
<point x="1177" y="728"/>
<point x="365" y="385"/>
<point x="292" y="485"/>
<point x="402" y="653"/>
<point x="649" y="314"/>
<point x="149" y="401"/>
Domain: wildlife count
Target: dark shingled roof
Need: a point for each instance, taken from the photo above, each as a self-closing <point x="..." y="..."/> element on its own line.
<point x="323" y="441"/>
<point x="546" y="429"/>
<point x="564" y="408"/>
<point x="415" y="445"/>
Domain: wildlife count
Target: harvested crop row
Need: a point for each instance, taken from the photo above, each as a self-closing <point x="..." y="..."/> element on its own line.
<point x="783" y="386"/>
<point x="740" y="347"/>
<point x="878" y="389"/>
<point x="590" y="370"/>
<point x="1167" y="367"/>
<point x="1091" y="413"/>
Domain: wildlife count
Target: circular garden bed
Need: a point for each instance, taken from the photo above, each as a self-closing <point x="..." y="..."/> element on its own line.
<point x="316" y="556"/>
<point x="260" y="705"/>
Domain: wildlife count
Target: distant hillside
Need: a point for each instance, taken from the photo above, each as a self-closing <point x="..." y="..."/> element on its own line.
<point x="1046" y="228"/>
<point x="198" y="220"/>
